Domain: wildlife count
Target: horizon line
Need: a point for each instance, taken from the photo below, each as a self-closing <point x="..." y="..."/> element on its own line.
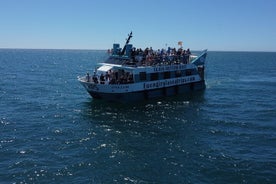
<point x="10" y="48"/>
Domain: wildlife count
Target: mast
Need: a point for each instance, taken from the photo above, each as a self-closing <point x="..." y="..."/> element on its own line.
<point x="127" y="41"/>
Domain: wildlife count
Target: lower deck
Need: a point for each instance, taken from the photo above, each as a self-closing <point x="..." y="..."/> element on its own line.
<point x="149" y="94"/>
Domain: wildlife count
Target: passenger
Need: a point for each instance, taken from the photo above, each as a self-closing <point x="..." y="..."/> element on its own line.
<point x="169" y="51"/>
<point x="185" y="57"/>
<point x="158" y="52"/>
<point x="188" y="54"/>
<point x="162" y="52"/>
<point x="146" y="52"/>
<point x="173" y="52"/>
<point x="130" y="78"/>
<point x="124" y="79"/>
<point x="121" y="80"/>
<point x="116" y="76"/>
<point x="179" y="51"/>
<point x="140" y="52"/>
<point x="95" y="78"/>
<point x="139" y="59"/>
<point x="107" y="76"/>
<point x="102" y="79"/>
<point x="150" y="51"/>
<point x="112" y="81"/>
<point x="133" y="53"/>
<point x="87" y="77"/>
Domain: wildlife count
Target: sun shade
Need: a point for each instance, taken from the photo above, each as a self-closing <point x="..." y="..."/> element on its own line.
<point x="104" y="68"/>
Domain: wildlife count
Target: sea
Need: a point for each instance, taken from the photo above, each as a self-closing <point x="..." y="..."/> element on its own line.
<point x="52" y="131"/>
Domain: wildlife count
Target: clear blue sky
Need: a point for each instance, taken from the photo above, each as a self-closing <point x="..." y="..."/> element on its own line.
<point x="231" y="25"/>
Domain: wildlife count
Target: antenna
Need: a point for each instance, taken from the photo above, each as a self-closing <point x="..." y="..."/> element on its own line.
<point x="127" y="41"/>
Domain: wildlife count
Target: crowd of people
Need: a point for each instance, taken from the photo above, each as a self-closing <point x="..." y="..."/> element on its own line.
<point x="111" y="77"/>
<point x="150" y="57"/>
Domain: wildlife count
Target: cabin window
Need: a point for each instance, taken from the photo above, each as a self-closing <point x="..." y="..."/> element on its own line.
<point x="188" y="72"/>
<point x="143" y="76"/>
<point x="178" y="73"/>
<point x="153" y="76"/>
<point x="167" y="75"/>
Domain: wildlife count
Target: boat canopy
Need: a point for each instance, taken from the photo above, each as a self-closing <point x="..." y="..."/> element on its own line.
<point x="105" y="68"/>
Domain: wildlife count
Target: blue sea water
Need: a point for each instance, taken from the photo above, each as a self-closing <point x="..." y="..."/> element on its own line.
<point x="52" y="131"/>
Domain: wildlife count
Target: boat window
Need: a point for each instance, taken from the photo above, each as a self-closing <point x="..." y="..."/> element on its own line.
<point x="178" y="73"/>
<point x="188" y="72"/>
<point x="154" y="76"/>
<point x="143" y="76"/>
<point x="167" y="75"/>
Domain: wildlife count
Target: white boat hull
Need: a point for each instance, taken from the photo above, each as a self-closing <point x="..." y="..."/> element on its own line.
<point x="146" y="94"/>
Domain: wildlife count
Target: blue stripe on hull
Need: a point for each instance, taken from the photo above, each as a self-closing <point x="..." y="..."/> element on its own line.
<point x="149" y="94"/>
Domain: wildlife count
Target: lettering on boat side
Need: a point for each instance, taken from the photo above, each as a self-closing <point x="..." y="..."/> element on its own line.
<point x="120" y="86"/>
<point x="169" y="68"/>
<point x="160" y="84"/>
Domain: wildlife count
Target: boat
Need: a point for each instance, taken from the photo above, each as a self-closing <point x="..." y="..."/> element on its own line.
<point x="132" y="74"/>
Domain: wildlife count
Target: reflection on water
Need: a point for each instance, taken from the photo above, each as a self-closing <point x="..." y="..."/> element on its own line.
<point x="151" y="111"/>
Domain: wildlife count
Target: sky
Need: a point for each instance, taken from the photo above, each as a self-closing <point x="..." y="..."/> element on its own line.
<point x="216" y="25"/>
